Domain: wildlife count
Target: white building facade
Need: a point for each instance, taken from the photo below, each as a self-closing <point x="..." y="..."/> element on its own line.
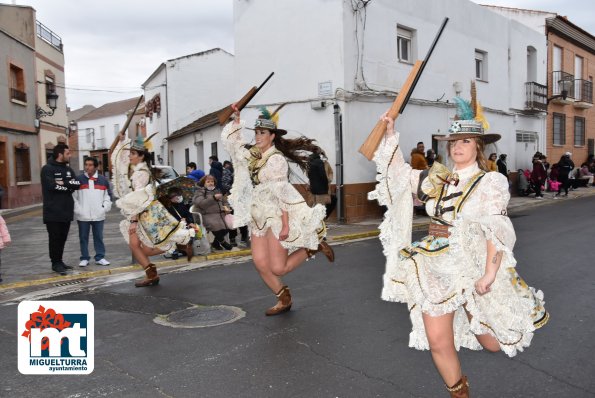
<point x="357" y="55"/>
<point x="187" y="89"/>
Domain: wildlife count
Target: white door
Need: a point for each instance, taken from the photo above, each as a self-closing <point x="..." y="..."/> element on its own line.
<point x="526" y="146"/>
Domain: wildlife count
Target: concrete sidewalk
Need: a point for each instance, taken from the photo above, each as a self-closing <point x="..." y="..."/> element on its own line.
<point x="26" y="261"/>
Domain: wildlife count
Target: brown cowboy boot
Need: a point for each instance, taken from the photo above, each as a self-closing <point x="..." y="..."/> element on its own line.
<point x="460" y="389"/>
<point x="152" y="278"/>
<point x="188" y="249"/>
<point x="284" y="298"/>
<point x="325" y="249"/>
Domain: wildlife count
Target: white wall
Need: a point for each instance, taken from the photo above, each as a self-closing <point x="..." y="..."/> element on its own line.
<point x="158" y="123"/>
<point x="198" y="85"/>
<point x="109" y="136"/>
<point x="305" y="47"/>
<point x="190" y="87"/>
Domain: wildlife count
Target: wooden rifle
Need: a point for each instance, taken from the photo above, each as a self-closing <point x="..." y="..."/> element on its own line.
<point x="226" y="113"/>
<point x="371" y="144"/>
<point x="122" y="131"/>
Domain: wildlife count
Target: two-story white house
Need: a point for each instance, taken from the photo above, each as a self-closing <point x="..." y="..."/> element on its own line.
<point x="98" y="129"/>
<point x="339" y="65"/>
<point x="181" y="91"/>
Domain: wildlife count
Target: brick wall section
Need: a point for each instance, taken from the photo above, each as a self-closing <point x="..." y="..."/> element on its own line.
<point x="570" y="50"/>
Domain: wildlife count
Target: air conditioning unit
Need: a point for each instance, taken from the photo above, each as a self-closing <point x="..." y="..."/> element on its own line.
<point x="318" y="105"/>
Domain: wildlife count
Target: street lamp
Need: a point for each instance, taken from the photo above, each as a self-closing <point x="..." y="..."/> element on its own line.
<point x="564" y="86"/>
<point x="52" y="99"/>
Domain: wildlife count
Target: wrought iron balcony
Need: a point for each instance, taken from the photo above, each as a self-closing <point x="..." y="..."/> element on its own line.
<point x="536" y="97"/>
<point x="583" y="93"/>
<point x="562" y="88"/>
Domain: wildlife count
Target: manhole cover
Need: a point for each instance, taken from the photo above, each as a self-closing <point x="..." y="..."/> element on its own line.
<point x="201" y="316"/>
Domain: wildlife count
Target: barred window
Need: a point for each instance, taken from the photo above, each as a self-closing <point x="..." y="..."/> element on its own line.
<point x="579" y="131"/>
<point x="559" y="125"/>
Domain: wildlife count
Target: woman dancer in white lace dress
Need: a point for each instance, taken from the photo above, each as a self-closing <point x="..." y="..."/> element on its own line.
<point x="459" y="282"/>
<point x="148" y="228"/>
<point x="284" y="230"/>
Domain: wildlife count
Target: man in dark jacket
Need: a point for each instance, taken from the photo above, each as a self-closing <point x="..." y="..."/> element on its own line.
<point x="58" y="181"/>
<point x="216" y="171"/>
<point x="502" y="166"/>
<point x="318" y="180"/>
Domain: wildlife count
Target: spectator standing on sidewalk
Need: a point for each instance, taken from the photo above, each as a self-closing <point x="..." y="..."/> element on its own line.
<point x="91" y="204"/>
<point x="213" y="206"/>
<point x="1" y="195"/>
<point x="4" y="240"/>
<point x="58" y="182"/>
<point x="492" y="166"/>
<point x="565" y="166"/>
<point x="502" y="166"/>
<point x="319" y="183"/>
<point x="216" y="170"/>
<point x="538" y="177"/>
<point x="418" y="158"/>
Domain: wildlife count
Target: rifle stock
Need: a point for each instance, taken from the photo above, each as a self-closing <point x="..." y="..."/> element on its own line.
<point x="371" y="143"/>
<point x="225" y="114"/>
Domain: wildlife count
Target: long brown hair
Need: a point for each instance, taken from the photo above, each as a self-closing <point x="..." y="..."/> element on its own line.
<point x="296" y="149"/>
<point x="480" y="159"/>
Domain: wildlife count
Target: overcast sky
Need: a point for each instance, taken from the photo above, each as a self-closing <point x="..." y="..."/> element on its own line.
<point x="114" y="45"/>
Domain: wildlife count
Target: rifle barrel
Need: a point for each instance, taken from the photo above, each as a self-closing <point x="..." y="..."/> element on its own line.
<point x="423" y="65"/>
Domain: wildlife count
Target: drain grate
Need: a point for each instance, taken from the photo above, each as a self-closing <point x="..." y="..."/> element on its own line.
<point x="201" y="316"/>
<point x="68" y="283"/>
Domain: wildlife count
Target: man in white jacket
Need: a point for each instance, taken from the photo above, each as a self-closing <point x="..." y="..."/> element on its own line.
<point x="91" y="203"/>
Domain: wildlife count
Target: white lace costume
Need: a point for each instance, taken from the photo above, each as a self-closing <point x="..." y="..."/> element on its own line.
<point x="136" y="196"/>
<point x="260" y="204"/>
<point x="436" y="275"/>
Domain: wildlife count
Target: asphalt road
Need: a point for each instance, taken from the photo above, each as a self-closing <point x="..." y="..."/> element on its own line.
<point x="339" y="340"/>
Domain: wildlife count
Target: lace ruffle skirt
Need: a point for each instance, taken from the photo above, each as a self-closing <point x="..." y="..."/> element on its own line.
<point x="510" y="312"/>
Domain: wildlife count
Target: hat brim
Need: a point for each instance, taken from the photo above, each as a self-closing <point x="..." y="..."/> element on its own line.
<point x="486" y="138"/>
<point x="273" y="131"/>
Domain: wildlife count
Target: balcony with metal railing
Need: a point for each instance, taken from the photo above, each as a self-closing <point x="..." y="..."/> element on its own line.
<point x="535" y="97"/>
<point x="562" y="88"/>
<point x="44" y="33"/>
<point x="583" y="93"/>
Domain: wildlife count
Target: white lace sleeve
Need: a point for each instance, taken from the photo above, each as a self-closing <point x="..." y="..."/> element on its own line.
<point x="240" y="198"/>
<point x="492" y="217"/>
<point x="396" y="180"/>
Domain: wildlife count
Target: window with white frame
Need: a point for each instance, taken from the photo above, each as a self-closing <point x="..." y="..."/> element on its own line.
<point x="116" y="129"/>
<point x="405" y="44"/>
<point x="579" y="131"/>
<point x="559" y="126"/>
<point x="481" y="65"/>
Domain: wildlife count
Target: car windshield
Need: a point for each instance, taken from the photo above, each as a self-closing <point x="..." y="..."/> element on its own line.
<point x="165" y="173"/>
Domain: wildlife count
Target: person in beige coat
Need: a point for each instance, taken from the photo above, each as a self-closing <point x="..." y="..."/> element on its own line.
<point x="213" y="206"/>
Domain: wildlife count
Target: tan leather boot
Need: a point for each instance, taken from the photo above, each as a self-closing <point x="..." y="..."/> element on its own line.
<point x="284" y="303"/>
<point x="325" y="249"/>
<point x="152" y="278"/>
<point x="460" y="389"/>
